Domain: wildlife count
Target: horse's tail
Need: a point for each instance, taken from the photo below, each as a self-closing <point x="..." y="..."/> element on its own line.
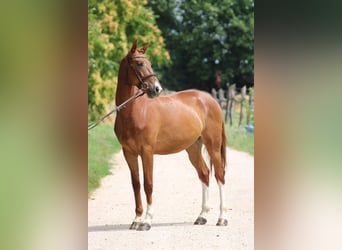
<point x="223" y="148"/>
<point x="222" y="152"/>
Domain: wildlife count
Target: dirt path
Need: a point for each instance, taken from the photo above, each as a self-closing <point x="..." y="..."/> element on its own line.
<point x="177" y="203"/>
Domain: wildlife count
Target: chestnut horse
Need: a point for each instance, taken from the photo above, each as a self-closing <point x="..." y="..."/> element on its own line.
<point x="168" y="124"/>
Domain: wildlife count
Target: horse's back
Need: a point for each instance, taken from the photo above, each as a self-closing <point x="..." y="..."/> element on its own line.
<point x="200" y="100"/>
<point x="192" y="95"/>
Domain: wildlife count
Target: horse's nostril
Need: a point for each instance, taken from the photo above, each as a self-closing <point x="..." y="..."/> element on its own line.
<point x="159" y="89"/>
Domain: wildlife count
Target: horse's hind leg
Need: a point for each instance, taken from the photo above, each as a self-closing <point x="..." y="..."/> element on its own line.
<point x="132" y="161"/>
<point x="222" y="221"/>
<point x="214" y="150"/>
<point x="195" y="156"/>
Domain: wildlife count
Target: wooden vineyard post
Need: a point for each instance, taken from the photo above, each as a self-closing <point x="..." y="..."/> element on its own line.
<point x="243" y="98"/>
<point x="229" y="106"/>
<point x="250" y="102"/>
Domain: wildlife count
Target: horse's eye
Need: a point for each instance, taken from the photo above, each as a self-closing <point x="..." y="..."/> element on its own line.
<point x="140" y="64"/>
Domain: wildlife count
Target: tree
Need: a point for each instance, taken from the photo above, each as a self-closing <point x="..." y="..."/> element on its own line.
<point x="205" y="38"/>
<point x="112" y="27"/>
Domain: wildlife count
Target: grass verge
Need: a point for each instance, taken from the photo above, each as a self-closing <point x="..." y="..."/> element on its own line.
<point x="102" y="144"/>
<point x="237" y="137"/>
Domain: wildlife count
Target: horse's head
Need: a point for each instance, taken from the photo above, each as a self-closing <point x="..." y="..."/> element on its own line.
<point x="140" y="72"/>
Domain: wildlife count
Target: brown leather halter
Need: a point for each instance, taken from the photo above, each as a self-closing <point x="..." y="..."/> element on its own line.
<point x="142" y="84"/>
<point x="142" y="87"/>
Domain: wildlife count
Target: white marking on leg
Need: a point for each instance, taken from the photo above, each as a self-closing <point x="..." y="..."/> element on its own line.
<point x="149" y="215"/>
<point x="223" y="208"/>
<point x="138" y="219"/>
<point x="205" y="198"/>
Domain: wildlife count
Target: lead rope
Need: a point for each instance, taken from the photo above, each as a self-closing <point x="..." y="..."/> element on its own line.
<point x="118" y="108"/>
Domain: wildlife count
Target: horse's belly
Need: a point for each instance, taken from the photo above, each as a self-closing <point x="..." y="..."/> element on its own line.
<point x="175" y="148"/>
<point x="173" y="143"/>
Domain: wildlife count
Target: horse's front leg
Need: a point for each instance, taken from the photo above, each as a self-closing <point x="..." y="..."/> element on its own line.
<point x="132" y="161"/>
<point x="147" y="161"/>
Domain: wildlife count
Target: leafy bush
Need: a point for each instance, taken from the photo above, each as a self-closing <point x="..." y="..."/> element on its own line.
<point x="112" y="27"/>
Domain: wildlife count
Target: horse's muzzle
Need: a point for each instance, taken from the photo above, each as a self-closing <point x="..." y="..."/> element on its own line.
<point x="153" y="91"/>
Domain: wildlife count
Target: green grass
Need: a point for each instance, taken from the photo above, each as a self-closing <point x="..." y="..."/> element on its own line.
<point x="102" y="144"/>
<point x="237" y="138"/>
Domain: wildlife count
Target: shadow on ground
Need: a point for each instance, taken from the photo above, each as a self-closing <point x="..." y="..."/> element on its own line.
<point x="124" y="227"/>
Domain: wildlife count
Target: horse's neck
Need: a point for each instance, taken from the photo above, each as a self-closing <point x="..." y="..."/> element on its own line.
<point x="124" y="90"/>
<point x="123" y="93"/>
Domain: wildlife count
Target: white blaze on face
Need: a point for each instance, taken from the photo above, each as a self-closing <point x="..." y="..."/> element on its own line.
<point x="158" y="87"/>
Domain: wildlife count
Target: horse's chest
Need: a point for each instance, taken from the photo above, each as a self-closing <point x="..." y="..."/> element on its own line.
<point x="130" y="134"/>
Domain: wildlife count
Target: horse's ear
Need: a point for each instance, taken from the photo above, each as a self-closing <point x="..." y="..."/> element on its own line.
<point x="143" y="49"/>
<point x="134" y="46"/>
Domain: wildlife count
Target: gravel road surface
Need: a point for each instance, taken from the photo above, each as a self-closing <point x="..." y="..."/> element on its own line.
<point x="177" y="203"/>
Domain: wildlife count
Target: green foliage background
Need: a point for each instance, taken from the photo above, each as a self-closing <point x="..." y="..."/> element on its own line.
<point x="205" y="37"/>
<point x="190" y="42"/>
<point x="112" y="27"/>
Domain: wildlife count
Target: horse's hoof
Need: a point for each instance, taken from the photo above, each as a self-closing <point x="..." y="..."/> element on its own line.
<point x="222" y="222"/>
<point x="200" y="221"/>
<point x="134" y="225"/>
<point x="144" y="227"/>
